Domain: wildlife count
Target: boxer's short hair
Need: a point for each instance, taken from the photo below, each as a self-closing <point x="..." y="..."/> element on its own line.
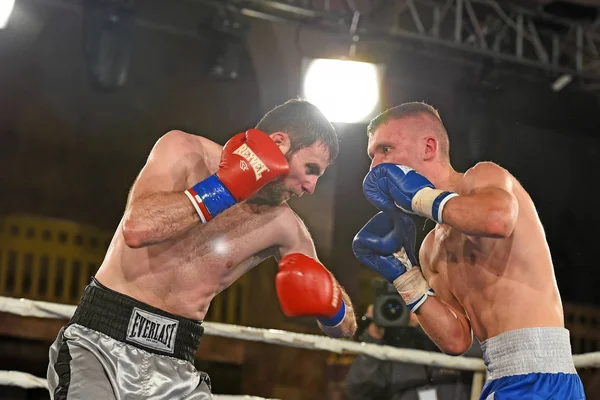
<point x="413" y="109"/>
<point x="304" y="123"/>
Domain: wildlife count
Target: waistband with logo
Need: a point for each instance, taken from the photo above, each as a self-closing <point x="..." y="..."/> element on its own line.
<point x="130" y="321"/>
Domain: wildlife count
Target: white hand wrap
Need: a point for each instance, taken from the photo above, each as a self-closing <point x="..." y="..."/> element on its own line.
<point x="430" y="203"/>
<point x="413" y="288"/>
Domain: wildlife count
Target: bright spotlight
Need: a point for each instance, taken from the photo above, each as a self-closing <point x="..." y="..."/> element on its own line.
<point x="6" y="7"/>
<point x="345" y="91"/>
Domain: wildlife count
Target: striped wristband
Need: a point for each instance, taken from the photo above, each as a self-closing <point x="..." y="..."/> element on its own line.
<point x="336" y="319"/>
<point x="430" y="203"/>
<point x="210" y="198"/>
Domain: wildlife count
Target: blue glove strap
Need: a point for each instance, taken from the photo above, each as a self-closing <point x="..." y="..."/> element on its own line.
<point x="215" y="196"/>
<point x="435" y="209"/>
<point x="413" y="307"/>
<point x="336" y="319"/>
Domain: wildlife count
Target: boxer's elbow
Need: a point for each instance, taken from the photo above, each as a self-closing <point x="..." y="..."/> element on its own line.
<point x="455" y="350"/>
<point x="457" y="347"/>
<point x="457" y="339"/>
<point x="502" y="217"/>
<point x="499" y="227"/>
<point x="133" y="233"/>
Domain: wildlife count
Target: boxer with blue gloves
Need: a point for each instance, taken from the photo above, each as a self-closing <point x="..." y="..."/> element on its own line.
<point x="388" y="186"/>
<point x="487" y="259"/>
<point x="386" y="244"/>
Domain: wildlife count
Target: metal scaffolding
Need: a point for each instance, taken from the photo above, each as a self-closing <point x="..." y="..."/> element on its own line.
<point x="564" y="49"/>
<point x="483" y="27"/>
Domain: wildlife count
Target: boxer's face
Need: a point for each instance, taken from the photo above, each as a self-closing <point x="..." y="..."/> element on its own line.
<point x="306" y="167"/>
<point x="395" y="142"/>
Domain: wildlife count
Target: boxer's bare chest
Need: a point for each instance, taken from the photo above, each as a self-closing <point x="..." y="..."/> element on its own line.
<point x="451" y="261"/>
<point x="220" y="251"/>
<point x="182" y="275"/>
<point x="235" y="238"/>
<point x="232" y="240"/>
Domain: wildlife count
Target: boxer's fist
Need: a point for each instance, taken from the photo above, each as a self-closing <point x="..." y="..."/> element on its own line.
<point x="386" y="244"/>
<point x="306" y="288"/>
<point x="388" y="186"/>
<point x="249" y="161"/>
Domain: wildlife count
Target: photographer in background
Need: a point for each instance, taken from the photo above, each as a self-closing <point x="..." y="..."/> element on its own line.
<point x="388" y="321"/>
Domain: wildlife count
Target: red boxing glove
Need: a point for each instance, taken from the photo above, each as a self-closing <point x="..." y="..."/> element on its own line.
<point x="249" y="161"/>
<point x="305" y="287"/>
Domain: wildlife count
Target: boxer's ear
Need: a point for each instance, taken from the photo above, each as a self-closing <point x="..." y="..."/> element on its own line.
<point x="282" y="140"/>
<point x="430" y="148"/>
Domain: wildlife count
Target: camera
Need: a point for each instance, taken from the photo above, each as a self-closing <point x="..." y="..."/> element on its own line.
<point x="389" y="310"/>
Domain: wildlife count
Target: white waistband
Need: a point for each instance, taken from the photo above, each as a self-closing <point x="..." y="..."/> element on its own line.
<point x="530" y="350"/>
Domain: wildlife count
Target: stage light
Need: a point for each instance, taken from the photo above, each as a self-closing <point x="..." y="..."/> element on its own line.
<point x="6" y="7"/>
<point x="562" y="81"/>
<point x="345" y="91"/>
<point x="228" y="30"/>
<point x="108" y="33"/>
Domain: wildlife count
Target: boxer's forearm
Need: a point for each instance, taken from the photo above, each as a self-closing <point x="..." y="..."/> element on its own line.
<point x="347" y="328"/>
<point x="451" y="333"/>
<point x="157" y="217"/>
<point x="491" y="212"/>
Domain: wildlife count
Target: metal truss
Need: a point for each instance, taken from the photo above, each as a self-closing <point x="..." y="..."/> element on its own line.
<point x="484" y="27"/>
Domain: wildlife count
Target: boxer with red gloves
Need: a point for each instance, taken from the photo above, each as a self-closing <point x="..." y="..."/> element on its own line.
<point x="306" y="287"/>
<point x="249" y="161"/>
<point x="198" y="217"/>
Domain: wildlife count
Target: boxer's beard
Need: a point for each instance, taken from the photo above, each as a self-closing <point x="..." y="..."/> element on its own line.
<point x="272" y="194"/>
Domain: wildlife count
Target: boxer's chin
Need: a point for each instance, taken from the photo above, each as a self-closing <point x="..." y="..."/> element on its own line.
<point x="272" y="194"/>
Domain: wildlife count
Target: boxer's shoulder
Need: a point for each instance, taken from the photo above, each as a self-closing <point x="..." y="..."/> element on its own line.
<point x="188" y="142"/>
<point x="188" y="147"/>
<point x="483" y="168"/>
<point x="288" y="217"/>
<point x="484" y="173"/>
<point x="292" y="229"/>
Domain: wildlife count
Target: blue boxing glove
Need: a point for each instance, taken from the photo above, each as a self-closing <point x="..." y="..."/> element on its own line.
<point x="388" y="186"/>
<point x="386" y="245"/>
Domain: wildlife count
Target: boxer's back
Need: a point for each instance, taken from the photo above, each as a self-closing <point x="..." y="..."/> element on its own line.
<point x="503" y="284"/>
<point x="184" y="273"/>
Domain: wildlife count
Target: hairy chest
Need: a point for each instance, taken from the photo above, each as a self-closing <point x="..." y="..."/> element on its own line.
<point x="235" y="240"/>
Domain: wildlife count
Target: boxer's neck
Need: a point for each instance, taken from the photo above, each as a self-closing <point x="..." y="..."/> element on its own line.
<point x="445" y="178"/>
<point x="257" y="207"/>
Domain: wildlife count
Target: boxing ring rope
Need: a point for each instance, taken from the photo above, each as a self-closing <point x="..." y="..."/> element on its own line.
<point x="42" y="309"/>
<point x="28" y="381"/>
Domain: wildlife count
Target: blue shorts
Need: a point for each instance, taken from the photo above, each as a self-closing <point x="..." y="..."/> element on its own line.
<point x="531" y="364"/>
